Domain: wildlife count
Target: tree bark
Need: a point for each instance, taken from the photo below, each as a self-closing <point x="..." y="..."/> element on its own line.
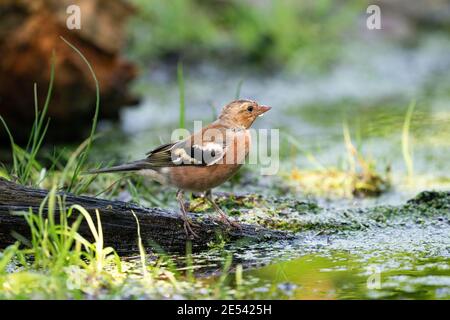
<point x="159" y="228"/>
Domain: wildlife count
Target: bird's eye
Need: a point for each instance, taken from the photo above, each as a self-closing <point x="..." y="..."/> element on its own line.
<point x="250" y="108"/>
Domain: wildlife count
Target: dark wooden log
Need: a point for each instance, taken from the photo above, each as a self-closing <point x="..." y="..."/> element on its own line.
<point x="159" y="228"/>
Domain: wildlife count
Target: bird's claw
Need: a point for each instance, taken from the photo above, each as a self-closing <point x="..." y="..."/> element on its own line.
<point x="225" y="220"/>
<point x="187" y="225"/>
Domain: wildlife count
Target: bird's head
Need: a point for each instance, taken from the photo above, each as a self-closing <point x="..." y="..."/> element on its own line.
<point x="242" y="113"/>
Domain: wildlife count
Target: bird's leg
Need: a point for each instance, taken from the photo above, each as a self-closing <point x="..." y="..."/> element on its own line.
<point x="222" y="216"/>
<point x="187" y="224"/>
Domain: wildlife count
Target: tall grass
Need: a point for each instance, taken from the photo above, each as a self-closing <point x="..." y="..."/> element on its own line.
<point x="95" y="252"/>
<point x="24" y="160"/>
<point x="52" y="242"/>
<point x="55" y="242"/>
<point x="84" y="154"/>
<point x="26" y="169"/>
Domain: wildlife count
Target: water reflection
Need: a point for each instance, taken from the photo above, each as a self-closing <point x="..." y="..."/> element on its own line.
<point x="345" y="276"/>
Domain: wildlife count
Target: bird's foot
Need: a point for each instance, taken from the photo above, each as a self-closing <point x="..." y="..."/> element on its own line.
<point x="187" y="225"/>
<point x="225" y="220"/>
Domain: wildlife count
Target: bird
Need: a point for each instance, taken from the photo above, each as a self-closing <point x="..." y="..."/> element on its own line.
<point x="202" y="161"/>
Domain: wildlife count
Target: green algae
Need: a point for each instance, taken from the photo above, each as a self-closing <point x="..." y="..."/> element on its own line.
<point x="300" y="215"/>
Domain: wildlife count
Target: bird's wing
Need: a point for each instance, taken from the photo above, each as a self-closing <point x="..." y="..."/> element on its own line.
<point x="202" y="149"/>
<point x="161" y="148"/>
<point x="185" y="152"/>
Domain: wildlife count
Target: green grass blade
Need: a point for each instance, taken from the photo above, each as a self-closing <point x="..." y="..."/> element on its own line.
<point x="141" y="246"/>
<point x="36" y="133"/>
<point x="181" y="92"/>
<point x="7" y="255"/>
<point x="11" y="140"/>
<point x="36" y="116"/>
<point x="406" y="144"/>
<point x="84" y="155"/>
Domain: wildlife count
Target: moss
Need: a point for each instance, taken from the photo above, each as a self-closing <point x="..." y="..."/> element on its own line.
<point x="432" y="199"/>
<point x="299" y="215"/>
<point x="228" y="201"/>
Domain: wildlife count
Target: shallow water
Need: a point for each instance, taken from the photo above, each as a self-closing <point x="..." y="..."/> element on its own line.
<point x="341" y="275"/>
<point x="399" y="262"/>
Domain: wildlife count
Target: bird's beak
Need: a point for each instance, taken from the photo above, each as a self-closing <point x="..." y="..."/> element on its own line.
<point x="263" y="109"/>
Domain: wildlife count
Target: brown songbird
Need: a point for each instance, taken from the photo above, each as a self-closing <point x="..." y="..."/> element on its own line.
<point x="204" y="160"/>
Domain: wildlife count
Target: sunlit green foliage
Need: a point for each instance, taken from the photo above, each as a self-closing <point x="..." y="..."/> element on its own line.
<point x="303" y="33"/>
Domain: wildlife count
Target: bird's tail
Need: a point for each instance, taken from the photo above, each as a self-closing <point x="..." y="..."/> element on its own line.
<point x="130" y="166"/>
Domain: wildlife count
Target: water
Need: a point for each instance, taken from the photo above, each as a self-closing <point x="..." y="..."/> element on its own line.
<point x="414" y="266"/>
<point x="399" y="262"/>
<point x="341" y="275"/>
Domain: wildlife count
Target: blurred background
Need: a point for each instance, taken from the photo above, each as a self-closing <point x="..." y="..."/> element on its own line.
<point x="364" y="118"/>
<point x="314" y="61"/>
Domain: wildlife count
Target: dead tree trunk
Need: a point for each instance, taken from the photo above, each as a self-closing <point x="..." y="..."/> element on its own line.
<point x="159" y="228"/>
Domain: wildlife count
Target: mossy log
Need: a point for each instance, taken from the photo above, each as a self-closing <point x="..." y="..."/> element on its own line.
<point x="159" y="228"/>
